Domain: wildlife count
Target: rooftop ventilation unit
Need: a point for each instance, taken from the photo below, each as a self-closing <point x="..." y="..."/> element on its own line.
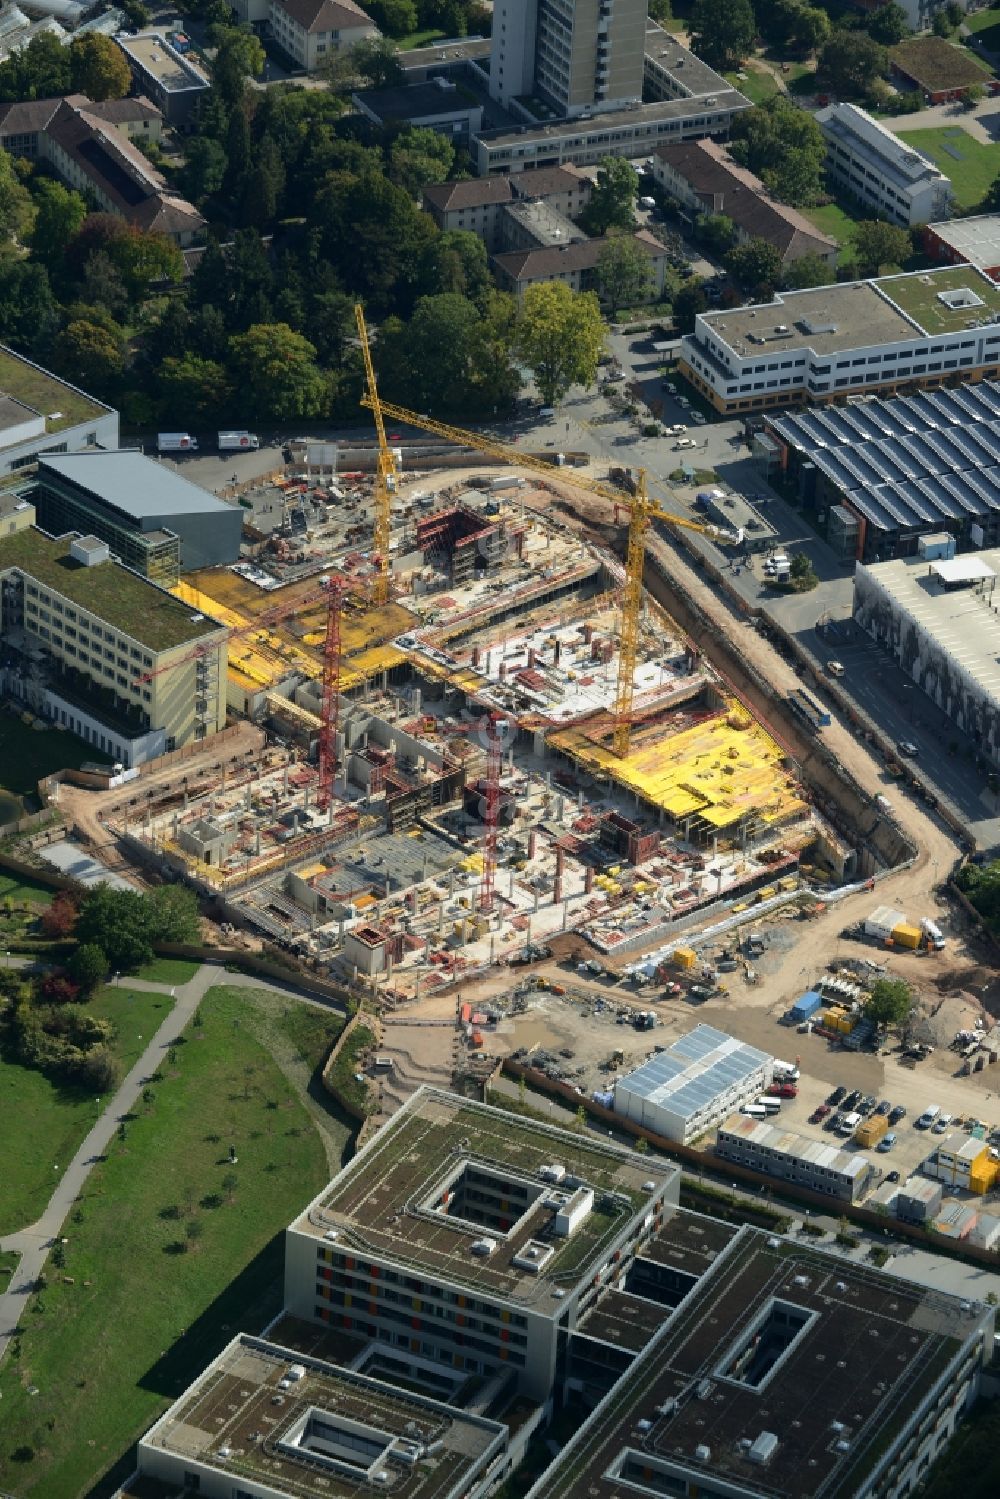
<point x="763" y="1448"/>
<point x="702" y="1453"/>
<point x="483" y="1247"/>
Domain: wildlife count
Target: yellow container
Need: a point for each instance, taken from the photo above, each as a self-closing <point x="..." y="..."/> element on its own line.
<point x="685" y="957"/>
<point x="983" y="1173"/>
<point x="767" y="892"/>
<point x="906" y="935"/>
<point x="871" y="1131"/>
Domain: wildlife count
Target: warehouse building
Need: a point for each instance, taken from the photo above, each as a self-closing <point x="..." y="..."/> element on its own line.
<point x="795" y="1158"/>
<point x="105" y="653"/>
<point x="690" y="1087"/>
<point x="39" y="413"/>
<point x="153" y="519"/>
<point x="464" y="1240"/>
<point x="938" y="620"/>
<point x="887" y="473"/>
<point x="895" y="333"/>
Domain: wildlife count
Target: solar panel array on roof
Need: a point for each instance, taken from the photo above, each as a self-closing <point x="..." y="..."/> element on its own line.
<point x="909" y="461"/>
<point x="696" y="1069"/>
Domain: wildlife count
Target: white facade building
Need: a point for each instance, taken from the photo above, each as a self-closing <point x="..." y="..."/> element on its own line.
<point x="881" y="171"/>
<point x="694" y="1084"/>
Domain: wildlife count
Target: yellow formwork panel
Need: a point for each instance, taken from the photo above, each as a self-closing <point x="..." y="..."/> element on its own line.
<point x="718" y="770"/>
<point x="205" y="604"/>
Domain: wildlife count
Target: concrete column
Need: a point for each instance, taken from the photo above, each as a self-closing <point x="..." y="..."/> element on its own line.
<point x="565" y="913"/>
<point x="588" y="879"/>
<point x="440" y="920"/>
<point x="286" y="775"/>
<point x="536" y="900"/>
<point x="510" y="884"/>
<point x="579" y="797"/>
<point x="557" y="890"/>
<point x="451" y="883"/>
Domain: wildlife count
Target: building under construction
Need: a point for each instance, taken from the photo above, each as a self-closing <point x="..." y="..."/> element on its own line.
<point x="473" y="719"/>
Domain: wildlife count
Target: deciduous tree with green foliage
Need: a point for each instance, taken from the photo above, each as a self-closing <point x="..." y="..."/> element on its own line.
<point x="15" y="200"/>
<point x="612" y="202"/>
<point x="887" y="24"/>
<point x="560" y="336"/>
<point x="784" y="146"/>
<point x="59" y="214"/>
<point x="723" y="31"/>
<point x="88" y="967"/>
<point x="124" y="924"/>
<point x="851" y="61"/>
<point x="90" y="354"/>
<point x="689" y="301"/>
<point x="393" y="17"/>
<point x="809" y="270"/>
<point x="239" y="56"/>
<point x="451" y="357"/>
<point x="624" y="274"/>
<point x="877" y="243"/>
<point x="29" y="313"/>
<point x="277" y="373"/>
<point x="418" y="156"/>
<point x="40" y="71"/>
<point x="98" y="67"/>
<point x="193" y="389"/>
<point x="716" y="232"/>
<point x="755" y="266"/>
<point x="889" y="1002"/>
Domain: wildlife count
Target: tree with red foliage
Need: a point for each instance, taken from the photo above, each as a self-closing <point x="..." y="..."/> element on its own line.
<point x="59" y="990"/>
<point x="59" y="918"/>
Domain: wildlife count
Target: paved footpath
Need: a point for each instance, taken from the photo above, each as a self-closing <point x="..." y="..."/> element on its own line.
<point x="34" y="1243"/>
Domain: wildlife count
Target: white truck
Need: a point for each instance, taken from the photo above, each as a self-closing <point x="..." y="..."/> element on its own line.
<point x="238" y="442"/>
<point x="176" y="442"/>
<point x="933" y="933"/>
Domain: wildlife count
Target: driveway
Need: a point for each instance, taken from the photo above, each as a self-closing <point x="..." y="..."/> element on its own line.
<point x="982" y="123"/>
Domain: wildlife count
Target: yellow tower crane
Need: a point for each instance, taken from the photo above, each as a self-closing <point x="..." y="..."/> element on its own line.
<point x="642" y="510"/>
<point x="387" y="472"/>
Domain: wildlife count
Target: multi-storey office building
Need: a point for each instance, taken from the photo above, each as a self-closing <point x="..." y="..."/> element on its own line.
<point x="896" y="333"/>
<point x="462" y="1240"/>
<point x="104" y="652"/>
<point x="879" y="170"/>
<point x="576" y="55"/>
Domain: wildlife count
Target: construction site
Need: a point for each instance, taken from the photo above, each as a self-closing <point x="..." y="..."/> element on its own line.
<point x="486" y="732"/>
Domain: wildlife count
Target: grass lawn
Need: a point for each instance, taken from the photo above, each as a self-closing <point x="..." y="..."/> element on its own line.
<point x="43" y="1122"/>
<point x="755" y="86"/>
<point x="969" y="163"/>
<point x="831" y="219"/>
<point x="311" y="1031"/>
<point x="423" y="38"/>
<point x="985" y="24"/>
<point x="17" y="890"/>
<point x="26" y="755"/>
<point x="150" y="1305"/>
<point x="8" y="1262"/>
<point x="168" y="971"/>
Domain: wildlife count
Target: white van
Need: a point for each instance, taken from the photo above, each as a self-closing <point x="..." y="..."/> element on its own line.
<point x="848" y="1124"/>
<point x="943" y="1121"/>
<point x="928" y="1117"/>
<point x="771" y="1105"/>
<point x="754" y="1110"/>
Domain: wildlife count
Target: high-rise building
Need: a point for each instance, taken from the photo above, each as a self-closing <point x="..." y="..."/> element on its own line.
<point x="574" y="55"/>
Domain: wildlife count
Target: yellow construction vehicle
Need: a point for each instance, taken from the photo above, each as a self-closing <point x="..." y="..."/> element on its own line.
<point x="641" y="507"/>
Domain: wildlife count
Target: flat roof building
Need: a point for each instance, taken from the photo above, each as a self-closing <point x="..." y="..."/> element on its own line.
<point x="902" y="470"/>
<point x="104" y="652"/>
<point x="938" y="620"/>
<point x="154" y="519"/>
<point x="879" y="170"/>
<point x="816" y="1164"/>
<point x="41" y="413"/>
<point x="893" y="333"/>
<point x="174" y="82"/>
<point x="467" y="1238"/>
<point x="270" y="1420"/>
<point x="439" y="105"/>
<point x="689" y="1087"/>
<point x="973" y="241"/>
<point x="786" y="1373"/>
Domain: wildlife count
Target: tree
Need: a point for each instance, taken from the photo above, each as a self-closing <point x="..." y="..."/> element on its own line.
<point x="40" y="71"/>
<point x="941" y="25"/>
<point x="277" y="373"/>
<point x="723" y="31"/>
<point x="803" y="574"/>
<point x="688" y="302"/>
<point x="372" y="61"/>
<point x="624" y="274"/>
<point x="418" y="156"/>
<point x="59" y="917"/>
<point x="98" y="67"/>
<point x="239" y="56"/>
<point x="954" y="13"/>
<point x="374" y="236"/>
<point x="172" y="914"/>
<point x="811" y="29"/>
<point x="560" y="335"/>
<point x="851" y="61"/>
<point x="456" y="262"/>
<point x="103" y="285"/>
<point x="878" y="244"/>
<point x="204" y="167"/>
<point x="394" y="17"/>
<point x="59" y="990"/>
<point x="452" y="356"/>
<point x="809" y="270"/>
<point x="660" y="11"/>
<point x="60" y="213"/>
<point x="125" y="924"/>
<point x="889" y="1002"/>
<point x="193" y="1231"/>
<point x="756" y="266"/>
<point x="90" y="354"/>
<point x="15" y="200"/>
<point x="973" y="95"/>
<point x="29" y="313"/>
<point x="784" y="146"/>
<point x="991" y="202"/>
<point x="88" y="966"/>
<point x="888" y="24"/>
<point x="193" y="389"/>
<point x="612" y="202"/>
<point x="716" y="232"/>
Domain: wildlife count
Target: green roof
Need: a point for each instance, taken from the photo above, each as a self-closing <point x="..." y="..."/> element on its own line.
<point x="45" y="393"/>
<point x="918" y="295"/>
<point x="121" y="598"/>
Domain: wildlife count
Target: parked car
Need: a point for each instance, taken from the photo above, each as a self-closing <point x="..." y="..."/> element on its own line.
<point x="885" y="1107"/>
<point x="886" y="1143"/>
<point x="893" y="1176"/>
<point x="835" y="668"/>
<point x="684" y="443"/>
<point x="868" y="1103"/>
<point x="837" y="1096"/>
<point x="896" y="1114"/>
<point x="783" y="1090"/>
<point x="854" y="1097"/>
<point x="677" y="430"/>
<point x="698" y="419"/>
<point x="907" y="747"/>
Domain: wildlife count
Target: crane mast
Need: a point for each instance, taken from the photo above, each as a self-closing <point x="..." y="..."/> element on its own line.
<point x="387" y="473"/>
